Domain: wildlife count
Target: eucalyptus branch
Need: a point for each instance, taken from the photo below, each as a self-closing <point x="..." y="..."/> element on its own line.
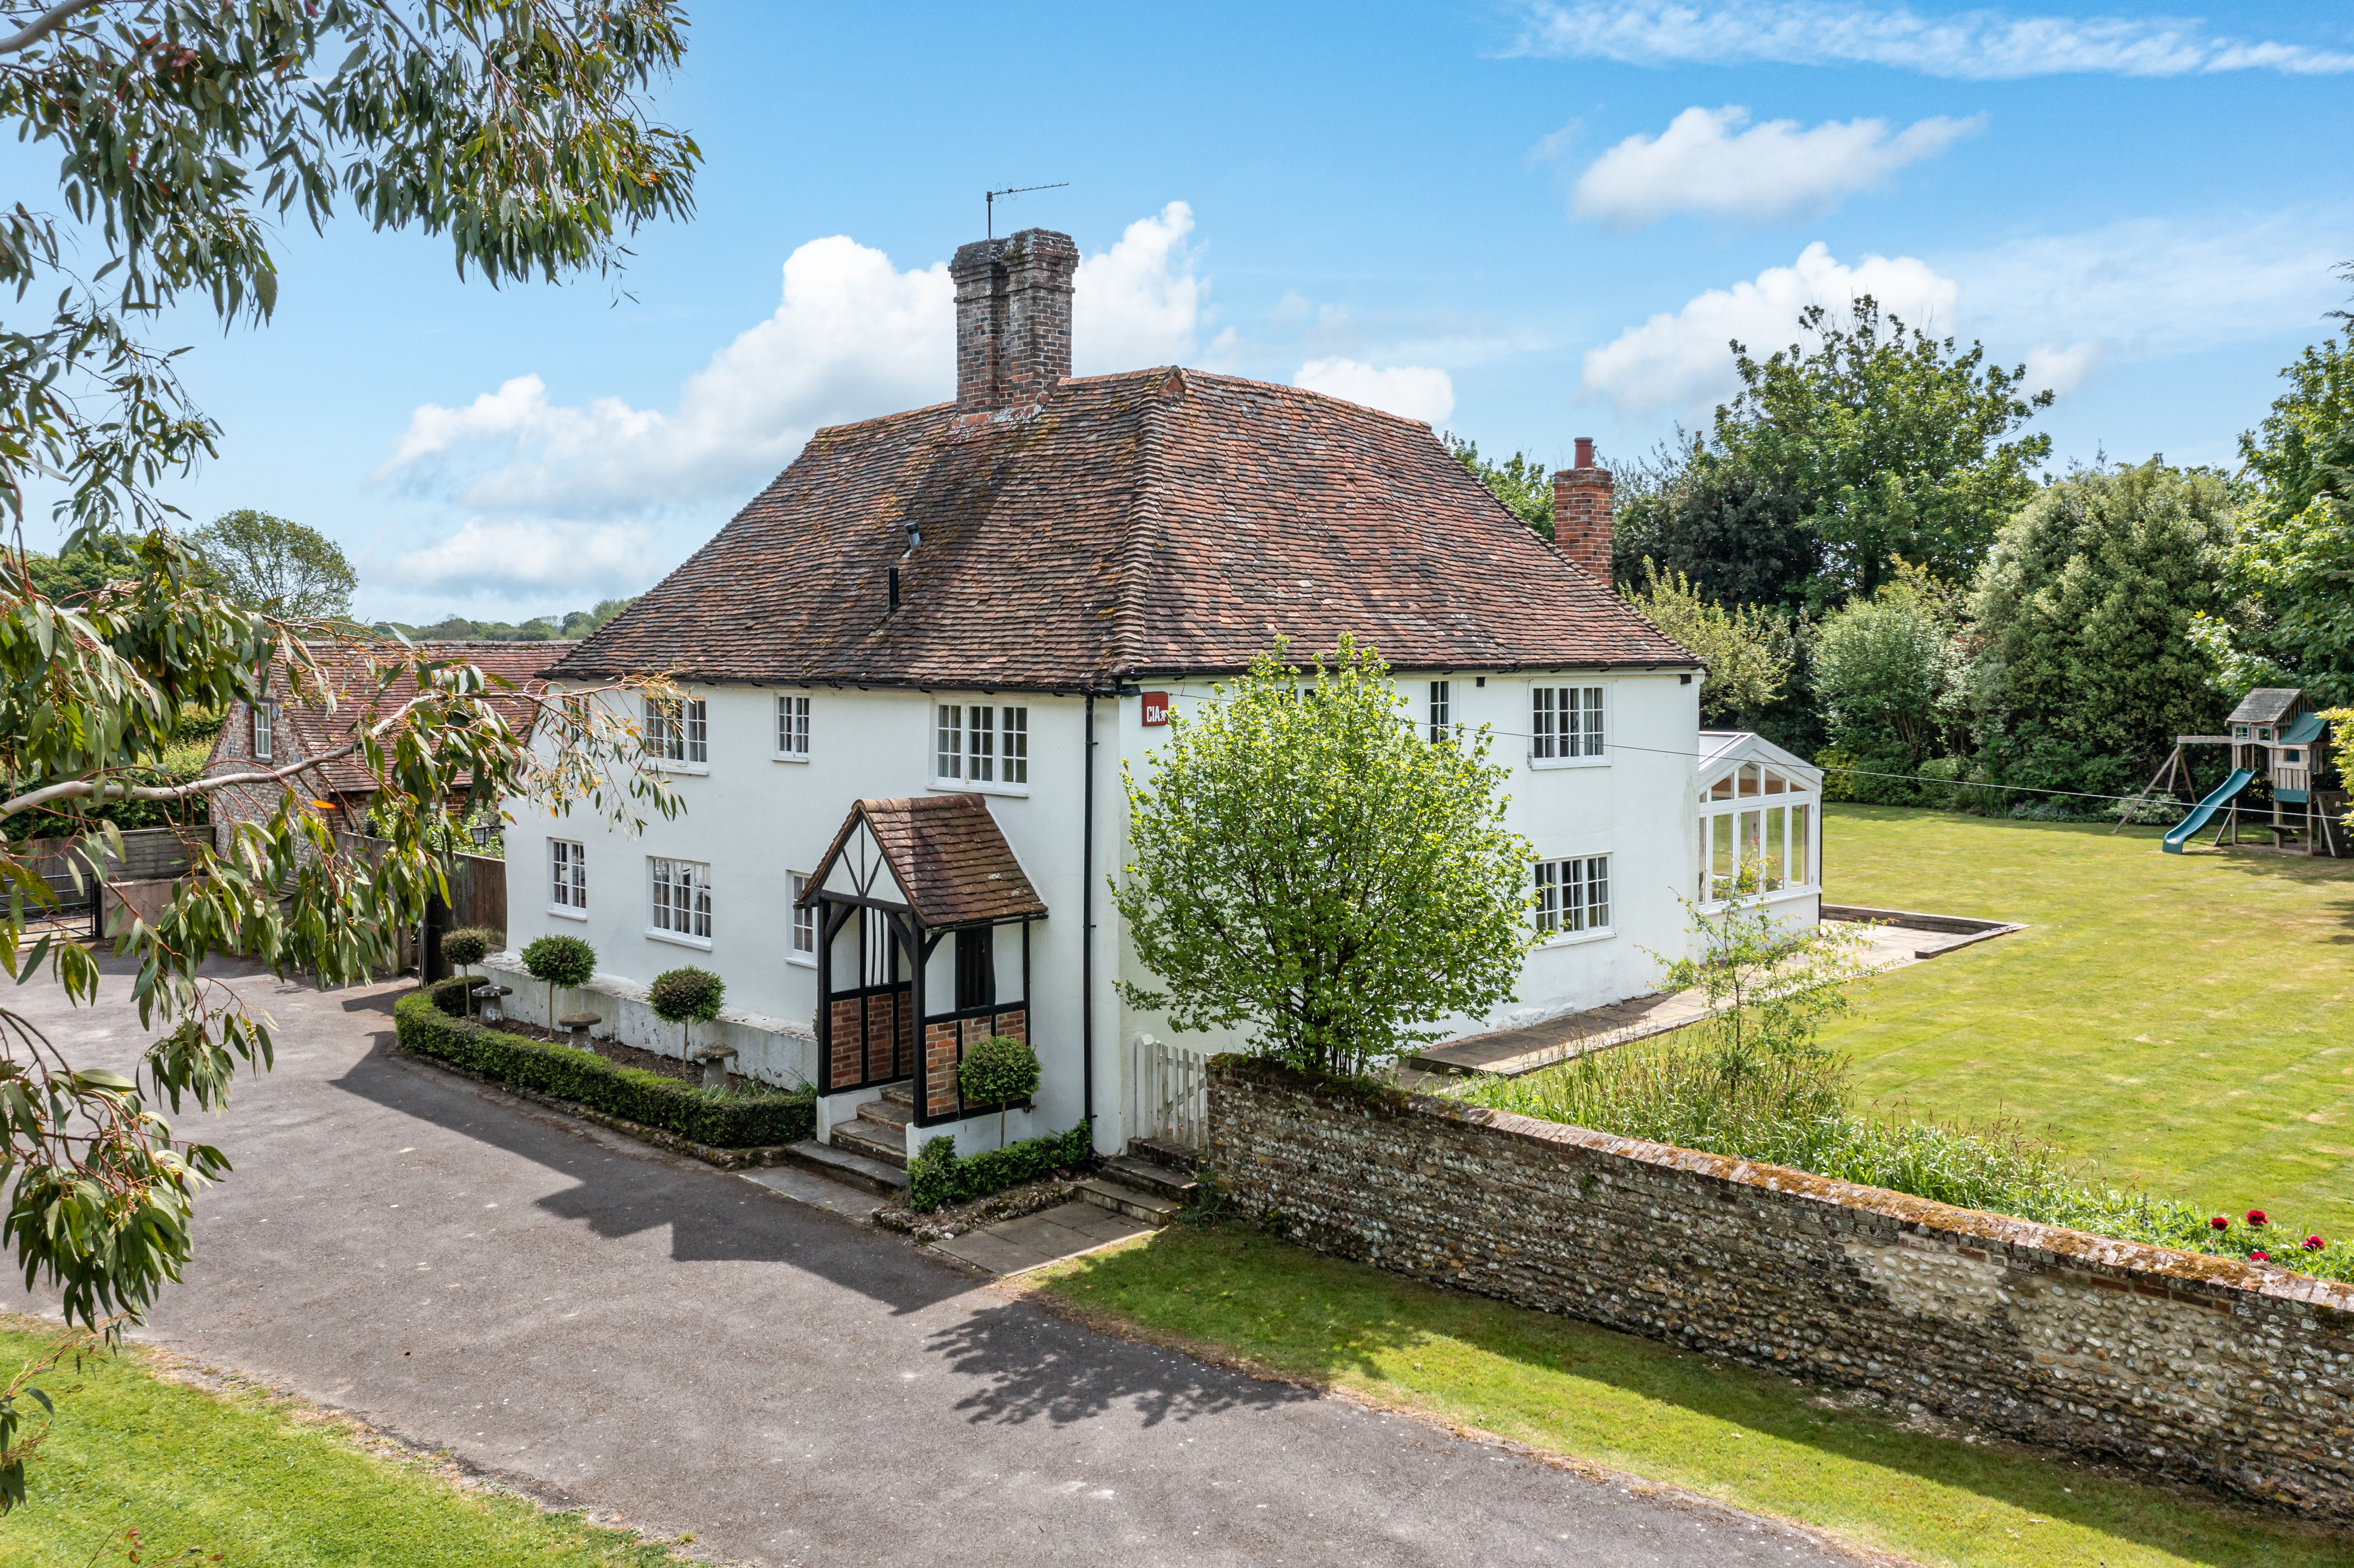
<point x="47" y="22"/>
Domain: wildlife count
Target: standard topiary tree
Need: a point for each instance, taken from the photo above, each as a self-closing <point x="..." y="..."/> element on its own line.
<point x="687" y="997"/>
<point x="565" y="962"/>
<point x="466" y="946"/>
<point x="998" y="1071"/>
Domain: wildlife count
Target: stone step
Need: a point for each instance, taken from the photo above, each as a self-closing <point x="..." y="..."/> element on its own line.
<point x="887" y="1113"/>
<point x="1133" y="1202"/>
<point x="1162" y="1151"/>
<point x="856" y="1170"/>
<point x="888" y="1145"/>
<point x="1148" y="1177"/>
<point x="901" y="1093"/>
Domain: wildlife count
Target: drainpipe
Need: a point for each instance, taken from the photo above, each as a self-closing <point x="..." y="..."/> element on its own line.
<point x="1087" y="930"/>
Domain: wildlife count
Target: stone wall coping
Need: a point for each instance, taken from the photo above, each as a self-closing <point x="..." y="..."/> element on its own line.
<point x="2198" y="1273"/>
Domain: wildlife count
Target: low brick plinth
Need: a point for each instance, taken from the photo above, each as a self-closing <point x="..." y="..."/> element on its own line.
<point x="2232" y="1373"/>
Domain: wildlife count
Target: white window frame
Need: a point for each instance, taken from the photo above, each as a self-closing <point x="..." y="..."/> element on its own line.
<point x="567" y="872"/>
<point x="678" y="901"/>
<point x="1799" y="797"/>
<point x="981" y="747"/>
<point x="1566" y="908"/>
<point x="1441" y="712"/>
<point x="678" y="733"/>
<point x="804" y="923"/>
<point x="792" y="729"/>
<point x="1590" y="733"/>
<point x="265" y="731"/>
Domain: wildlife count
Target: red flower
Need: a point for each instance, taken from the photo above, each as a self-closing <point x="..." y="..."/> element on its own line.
<point x="2220" y="1222"/>
<point x="2261" y="1255"/>
<point x="2313" y="1243"/>
<point x="2255" y="1216"/>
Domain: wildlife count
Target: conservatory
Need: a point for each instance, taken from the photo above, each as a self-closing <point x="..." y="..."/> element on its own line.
<point x="1760" y="823"/>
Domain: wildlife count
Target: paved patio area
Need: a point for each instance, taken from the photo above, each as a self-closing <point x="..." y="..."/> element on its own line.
<point x="1034" y="1241"/>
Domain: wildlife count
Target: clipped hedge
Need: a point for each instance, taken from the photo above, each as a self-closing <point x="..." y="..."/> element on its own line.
<point x="717" y="1118"/>
<point x="938" y="1174"/>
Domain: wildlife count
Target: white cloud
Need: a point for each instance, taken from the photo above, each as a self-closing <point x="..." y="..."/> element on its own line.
<point x="851" y="337"/>
<point x="1138" y="303"/>
<point x="1767" y="172"/>
<point x="1984" y="45"/>
<point x="1682" y="361"/>
<point x="2062" y="367"/>
<point x="500" y="559"/>
<point x="1413" y="391"/>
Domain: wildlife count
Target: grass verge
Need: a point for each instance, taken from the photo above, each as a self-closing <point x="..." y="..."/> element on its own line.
<point x="2186" y="1021"/>
<point x="1854" y="1470"/>
<point x="267" y="1483"/>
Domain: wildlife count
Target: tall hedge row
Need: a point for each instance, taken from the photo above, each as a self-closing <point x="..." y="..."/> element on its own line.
<point x="720" y="1118"/>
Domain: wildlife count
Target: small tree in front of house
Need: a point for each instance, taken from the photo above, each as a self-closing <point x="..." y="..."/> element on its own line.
<point x="687" y="997"/>
<point x="1307" y="866"/>
<point x="998" y="1071"/>
<point x="466" y="946"/>
<point x="565" y="961"/>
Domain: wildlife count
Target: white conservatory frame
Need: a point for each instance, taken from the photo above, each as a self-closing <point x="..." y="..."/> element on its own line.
<point x="1759" y="804"/>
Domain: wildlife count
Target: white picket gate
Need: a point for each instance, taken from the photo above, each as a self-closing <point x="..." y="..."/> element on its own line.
<point x="1173" y="1093"/>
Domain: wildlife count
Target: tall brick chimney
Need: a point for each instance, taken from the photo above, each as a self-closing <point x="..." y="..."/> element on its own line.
<point x="1581" y="512"/>
<point x="1013" y="317"/>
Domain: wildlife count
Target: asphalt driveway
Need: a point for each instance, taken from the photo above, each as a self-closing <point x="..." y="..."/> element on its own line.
<point x="609" y="1326"/>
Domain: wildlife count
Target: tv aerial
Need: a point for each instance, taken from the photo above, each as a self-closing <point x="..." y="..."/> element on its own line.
<point x="990" y="201"/>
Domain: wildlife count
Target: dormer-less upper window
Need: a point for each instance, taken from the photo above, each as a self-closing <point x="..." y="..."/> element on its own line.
<point x="263" y="713"/>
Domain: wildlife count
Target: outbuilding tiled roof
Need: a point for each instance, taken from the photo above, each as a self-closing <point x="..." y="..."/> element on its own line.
<point x="948" y="857"/>
<point x="1153" y="523"/>
<point x="359" y="700"/>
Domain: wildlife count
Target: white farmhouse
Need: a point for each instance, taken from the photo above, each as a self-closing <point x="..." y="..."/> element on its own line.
<point x="917" y="661"/>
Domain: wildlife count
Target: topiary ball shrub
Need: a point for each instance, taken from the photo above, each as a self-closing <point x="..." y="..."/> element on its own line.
<point x="685" y="997"/>
<point x="565" y="962"/>
<point x="466" y="946"/>
<point x="998" y="1071"/>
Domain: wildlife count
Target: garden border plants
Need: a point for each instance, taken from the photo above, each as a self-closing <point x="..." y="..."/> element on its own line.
<point x="719" y="1120"/>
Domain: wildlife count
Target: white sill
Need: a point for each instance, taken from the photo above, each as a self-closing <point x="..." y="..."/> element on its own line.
<point x="691" y="769"/>
<point x="565" y="912"/>
<point x="806" y="960"/>
<point x="683" y="941"/>
<point x="1779" y="896"/>
<point x="966" y="787"/>
<point x="1542" y="763"/>
<point x="1576" y="938"/>
<point x="789" y="757"/>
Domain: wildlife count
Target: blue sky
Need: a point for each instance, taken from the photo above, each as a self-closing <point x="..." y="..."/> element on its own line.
<point x="1525" y="222"/>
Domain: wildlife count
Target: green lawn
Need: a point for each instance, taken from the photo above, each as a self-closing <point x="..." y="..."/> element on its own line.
<point x="1755" y="1442"/>
<point x="259" y="1481"/>
<point x="2186" y="1022"/>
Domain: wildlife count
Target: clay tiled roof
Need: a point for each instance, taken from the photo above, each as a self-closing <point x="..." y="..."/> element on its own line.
<point x="358" y="700"/>
<point x="1159" y="522"/>
<point x="954" y="865"/>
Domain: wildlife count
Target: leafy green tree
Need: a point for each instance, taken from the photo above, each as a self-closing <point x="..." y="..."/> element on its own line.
<point x="565" y="962"/>
<point x="1889" y="673"/>
<point x="1518" y="483"/>
<point x="1890" y="441"/>
<point x="182" y="130"/>
<point x="687" y="996"/>
<point x="269" y="563"/>
<point x="75" y="574"/>
<point x="2087" y="667"/>
<point x="1737" y="539"/>
<point x="997" y="1071"/>
<point x="1306" y="866"/>
<point x="2292" y="563"/>
<point x="1747" y="651"/>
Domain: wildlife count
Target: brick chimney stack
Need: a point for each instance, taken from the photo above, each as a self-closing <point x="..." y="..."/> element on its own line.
<point x="1581" y="512"/>
<point x="1013" y="318"/>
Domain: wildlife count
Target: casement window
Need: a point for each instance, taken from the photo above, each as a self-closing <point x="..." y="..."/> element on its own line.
<point x="976" y="743"/>
<point x="1574" y="895"/>
<point x="792" y="729"/>
<point x="677" y="730"/>
<point x="804" y="920"/>
<point x="1441" y="710"/>
<point x="1567" y="724"/>
<point x="681" y="898"/>
<point x="567" y="867"/>
<point x="1757" y="832"/>
<point x="265" y="717"/>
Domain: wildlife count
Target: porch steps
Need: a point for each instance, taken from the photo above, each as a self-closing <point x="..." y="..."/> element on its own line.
<point x="1162" y="1152"/>
<point x="879" y="1131"/>
<point x="1149" y="1176"/>
<point x="1133" y="1202"/>
<point x="854" y="1169"/>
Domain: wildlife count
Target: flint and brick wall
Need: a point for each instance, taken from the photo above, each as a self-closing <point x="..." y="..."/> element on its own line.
<point x="2207" y="1367"/>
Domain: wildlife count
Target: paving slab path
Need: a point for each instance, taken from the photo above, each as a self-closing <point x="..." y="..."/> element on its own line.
<point x="611" y="1327"/>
